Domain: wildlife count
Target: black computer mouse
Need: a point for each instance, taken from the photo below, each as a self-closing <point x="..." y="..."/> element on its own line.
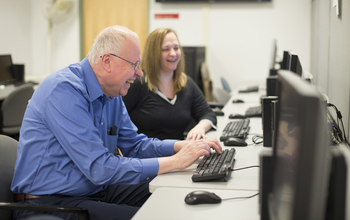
<point x="202" y="197"/>
<point x="232" y="141"/>
<point x="237" y="101"/>
<point x="235" y="116"/>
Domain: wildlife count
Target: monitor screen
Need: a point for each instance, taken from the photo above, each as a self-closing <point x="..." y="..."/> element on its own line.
<point x="301" y="146"/>
<point x="6" y="75"/>
<point x="273" y="54"/>
<point x="286" y="60"/>
<point x="295" y="65"/>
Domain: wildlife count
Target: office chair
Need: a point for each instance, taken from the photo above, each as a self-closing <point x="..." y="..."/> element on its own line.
<point x="207" y="83"/>
<point x="13" y="108"/>
<point x="225" y="85"/>
<point x="208" y="89"/>
<point x="221" y="96"/>
<point x="8" y="149"/>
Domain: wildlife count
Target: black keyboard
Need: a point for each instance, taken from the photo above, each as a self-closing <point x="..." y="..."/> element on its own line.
<point x="253" y="112"/>
<point x="250" y="89"/>
<point x="238" y="128"/>
<point x="216" y="166"/>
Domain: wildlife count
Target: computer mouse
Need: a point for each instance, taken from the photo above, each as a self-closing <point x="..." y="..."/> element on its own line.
<point x="202" y="197"/>
<point x="232" y="141"/>
<point x="237" y="101"/>
<point x="235" y="116"/>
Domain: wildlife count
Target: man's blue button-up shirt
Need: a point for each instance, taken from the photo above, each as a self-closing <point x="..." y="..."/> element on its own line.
<point x="66" y="146"/>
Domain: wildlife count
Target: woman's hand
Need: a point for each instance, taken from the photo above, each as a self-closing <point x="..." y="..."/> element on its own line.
<point x="198" y="131"/>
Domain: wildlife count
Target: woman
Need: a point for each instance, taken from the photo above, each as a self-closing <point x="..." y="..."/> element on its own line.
<point x="165" y="101"/>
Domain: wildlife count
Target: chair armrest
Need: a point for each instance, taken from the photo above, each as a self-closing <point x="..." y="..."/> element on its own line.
<point x="83" y="214"/>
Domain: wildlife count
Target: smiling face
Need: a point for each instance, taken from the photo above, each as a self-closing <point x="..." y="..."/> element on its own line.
<point x="120" y="72"/>
<point x="171" y="53"/>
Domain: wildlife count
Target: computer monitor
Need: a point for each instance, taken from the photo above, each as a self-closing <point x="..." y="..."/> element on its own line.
<point x="194" y="57"/>
<point x="286" y="60"/>
<point x="273" y="55"/>
<point x="6" y="75"/>
<point x="338" y="190"/>
<point x="301" y="149"/>
<point x="295" y="65"/>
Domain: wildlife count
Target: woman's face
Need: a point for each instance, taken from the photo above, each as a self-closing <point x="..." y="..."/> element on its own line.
<point x="171" y="53"/>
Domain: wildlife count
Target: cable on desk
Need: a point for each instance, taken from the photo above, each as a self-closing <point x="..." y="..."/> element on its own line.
<point x="243" y="168"/>
<point x="248" y="197"/>
<point x="257" y="139"/>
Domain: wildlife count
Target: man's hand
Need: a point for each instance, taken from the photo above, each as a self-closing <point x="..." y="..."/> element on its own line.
<point x="187" y="152"/>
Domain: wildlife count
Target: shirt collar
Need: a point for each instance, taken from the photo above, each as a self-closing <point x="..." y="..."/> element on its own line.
<point x="92" y="85"/>
<point x="166" y="98"/>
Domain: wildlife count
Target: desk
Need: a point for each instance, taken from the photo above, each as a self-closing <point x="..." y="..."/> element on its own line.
<point x="170" y="189"/>
<point x="247" y="179"/>
<point x="253" y="97"/>
<point x="6" y="90"/>
<point x="168" y="203"/>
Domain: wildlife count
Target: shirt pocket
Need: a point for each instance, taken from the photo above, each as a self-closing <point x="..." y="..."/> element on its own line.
<point x="112" y="142"/>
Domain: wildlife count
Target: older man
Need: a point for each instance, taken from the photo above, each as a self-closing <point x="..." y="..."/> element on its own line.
<point x="72" y="126"/>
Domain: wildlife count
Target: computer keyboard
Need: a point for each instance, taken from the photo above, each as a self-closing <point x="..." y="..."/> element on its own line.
<point x="254" y="111"/>
<point x="249" y="89"/>
<point x="238" y="128"/>
<point x="216" y="166"/>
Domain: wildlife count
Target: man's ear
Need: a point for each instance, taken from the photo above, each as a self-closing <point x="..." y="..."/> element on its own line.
<point x="106" y="62"/>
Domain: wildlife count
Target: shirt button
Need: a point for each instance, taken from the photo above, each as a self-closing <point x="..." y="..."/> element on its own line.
<point x="147" y="178"/>
<point x="101" y="123"/>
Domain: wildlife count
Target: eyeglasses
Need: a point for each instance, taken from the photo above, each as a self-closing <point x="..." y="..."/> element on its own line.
<point x="137" y="64"/>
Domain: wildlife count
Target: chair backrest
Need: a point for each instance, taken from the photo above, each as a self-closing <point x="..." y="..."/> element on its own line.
<point x="13" y="109"/>
<point x="221" y="96"/>
<point x="225" y="84"/>
<point x="207" y="83"/>
<point x="8" y="155"/>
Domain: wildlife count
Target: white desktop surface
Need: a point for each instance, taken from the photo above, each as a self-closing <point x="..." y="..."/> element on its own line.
<point x="253" y="97"/>
<point x="6" y="90"/>
<point x="168" y="203"/>
<point x="250" y="97"/>
<point x="247" y="179"/>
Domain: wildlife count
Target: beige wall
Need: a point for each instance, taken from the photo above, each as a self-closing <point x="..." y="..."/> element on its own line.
<point x="99" y="14"/>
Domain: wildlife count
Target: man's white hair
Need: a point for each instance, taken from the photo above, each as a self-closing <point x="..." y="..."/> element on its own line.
<point x="109" y="41"/>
